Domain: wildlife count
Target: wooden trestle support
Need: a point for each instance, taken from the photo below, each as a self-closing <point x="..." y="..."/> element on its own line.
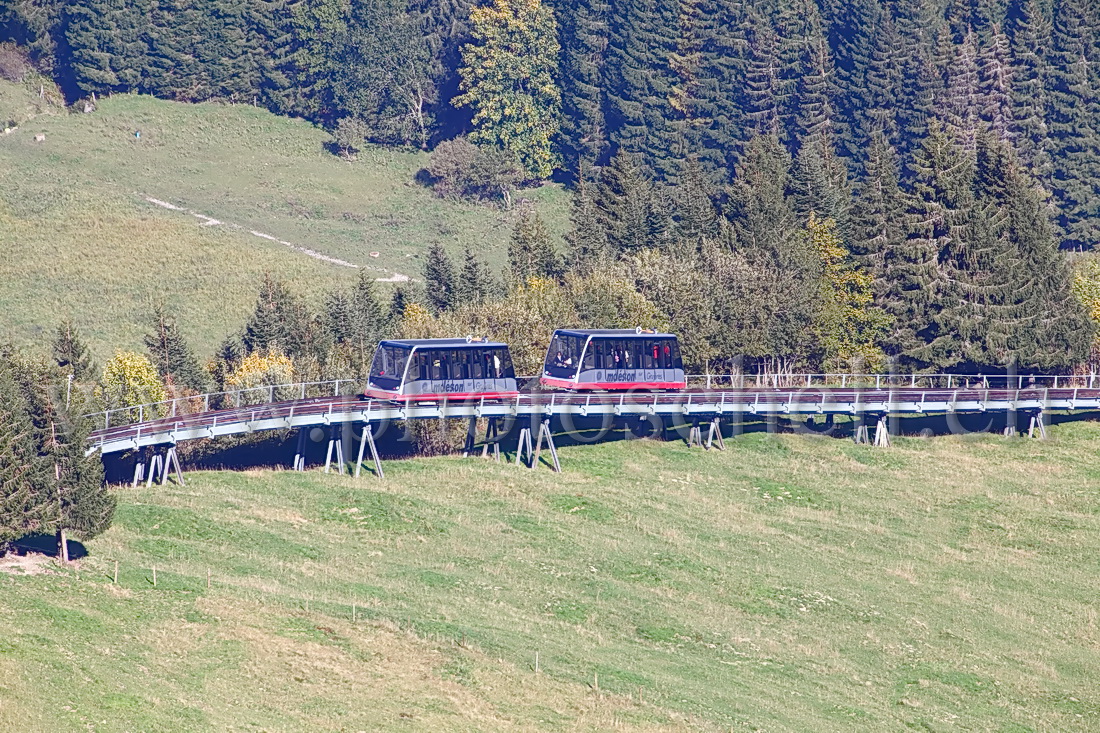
<point x="695" y="435"/>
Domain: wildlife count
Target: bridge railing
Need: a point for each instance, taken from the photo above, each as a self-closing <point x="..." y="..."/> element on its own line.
<point x="886" y="381"/>
<point x="196" y="404"/>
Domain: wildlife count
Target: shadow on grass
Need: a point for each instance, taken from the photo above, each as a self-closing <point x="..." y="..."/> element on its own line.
<point x="46" y="544"/>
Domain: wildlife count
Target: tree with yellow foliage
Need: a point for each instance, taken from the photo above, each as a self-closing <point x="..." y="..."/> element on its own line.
<point x="264" y="368"/>
<point x="130" y="380"/>
<point x="851" y="327"/>
<point x="508" y="78"/>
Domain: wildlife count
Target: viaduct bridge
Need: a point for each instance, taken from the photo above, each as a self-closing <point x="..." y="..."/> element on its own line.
<point x="153" y="431"/>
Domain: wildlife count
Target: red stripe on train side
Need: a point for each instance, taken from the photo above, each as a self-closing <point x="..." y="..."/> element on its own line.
<point x="610" y="386"/>
<point x="396" y="397"/>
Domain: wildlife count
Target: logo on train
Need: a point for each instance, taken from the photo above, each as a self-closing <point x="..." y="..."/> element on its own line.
<point x="452" y="387"/>
<point x="621" y="376"/>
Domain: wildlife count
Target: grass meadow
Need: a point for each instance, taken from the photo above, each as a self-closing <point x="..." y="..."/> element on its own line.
<point x="791" y="583"/>
<point x="80" y="239"/>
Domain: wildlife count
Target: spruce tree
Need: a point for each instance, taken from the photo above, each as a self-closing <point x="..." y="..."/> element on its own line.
<point x="853" y="38"/>
<point x="640" y="80"/>
<point x="475" y="282"/>
<point x="107" y="45"/>
<point x="279" y="321"/>
<point x="531" y="252"/>
<point x="170" y="352"/>
<point x="587" y="238"/>
<point x="71" y="353"/>
<point x="960" y="106"/>
<point x="626" y="200"/>
<point x="916" y="287"/>
<point x="226" y="359"/>
<point x="1029" y="40"/>
<point x="717" y="99"/>
<point x="995" y="100"/>
<point x="439" y="279"/>
<point x="1074" y="137"/>
<point x="22" y="475"/>
<point x="758" y="208"/>
<point x="884" y="83"/>
<point x="71" y="492"/>
<point x="763" y="90"/>
<point x="878" y="224"/>
<point x="584" y="33"/>
<point x="695" y="213"/>
<point x="1040" y="325"/>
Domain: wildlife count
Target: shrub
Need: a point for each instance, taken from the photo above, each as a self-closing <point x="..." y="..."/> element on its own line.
<point x="262" y="369"/>
<point x="14" y="63"/>
<point x="460" y="169"/>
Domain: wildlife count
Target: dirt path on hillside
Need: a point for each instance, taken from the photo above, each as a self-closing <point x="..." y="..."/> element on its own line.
<point x="209" y="221"/>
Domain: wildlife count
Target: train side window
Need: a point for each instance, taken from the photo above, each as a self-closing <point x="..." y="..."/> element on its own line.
<point x="503" y="358"/>
<point x="590" y="356"/>
<point x="422" y="364"/>
<point x="677" y="362"/>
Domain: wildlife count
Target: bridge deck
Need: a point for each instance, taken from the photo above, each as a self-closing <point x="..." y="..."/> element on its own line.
<point x="682" y="405"/>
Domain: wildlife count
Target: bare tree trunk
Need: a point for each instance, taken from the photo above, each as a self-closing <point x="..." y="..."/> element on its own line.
<point x="62" y="546"/>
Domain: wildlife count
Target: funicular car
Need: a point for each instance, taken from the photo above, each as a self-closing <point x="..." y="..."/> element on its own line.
<point x="427" y="370"/>
<point x="613" y="360"/>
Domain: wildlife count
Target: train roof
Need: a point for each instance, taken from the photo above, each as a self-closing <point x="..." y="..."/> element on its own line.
<point x="614" y="333"/>
<point x="459" y="343"/>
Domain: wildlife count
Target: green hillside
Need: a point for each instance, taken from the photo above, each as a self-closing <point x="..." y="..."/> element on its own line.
<point x="80" y="236"/>
<point x="789" y="584"/>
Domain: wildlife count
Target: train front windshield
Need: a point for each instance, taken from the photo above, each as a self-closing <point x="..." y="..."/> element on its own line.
<point x="564" y="355"/>
<point x="388" y="366"/>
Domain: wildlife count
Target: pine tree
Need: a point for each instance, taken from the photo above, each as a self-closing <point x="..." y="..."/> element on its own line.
<point x="509" y="80"/>
<point x="531" y="252"/>
<point x="439" y="279"/>
<point x="170" y="352"/>
<point x="71" y="353"/>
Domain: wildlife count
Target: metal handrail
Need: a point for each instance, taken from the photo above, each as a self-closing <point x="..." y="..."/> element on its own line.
<point x="332" y="388"/>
